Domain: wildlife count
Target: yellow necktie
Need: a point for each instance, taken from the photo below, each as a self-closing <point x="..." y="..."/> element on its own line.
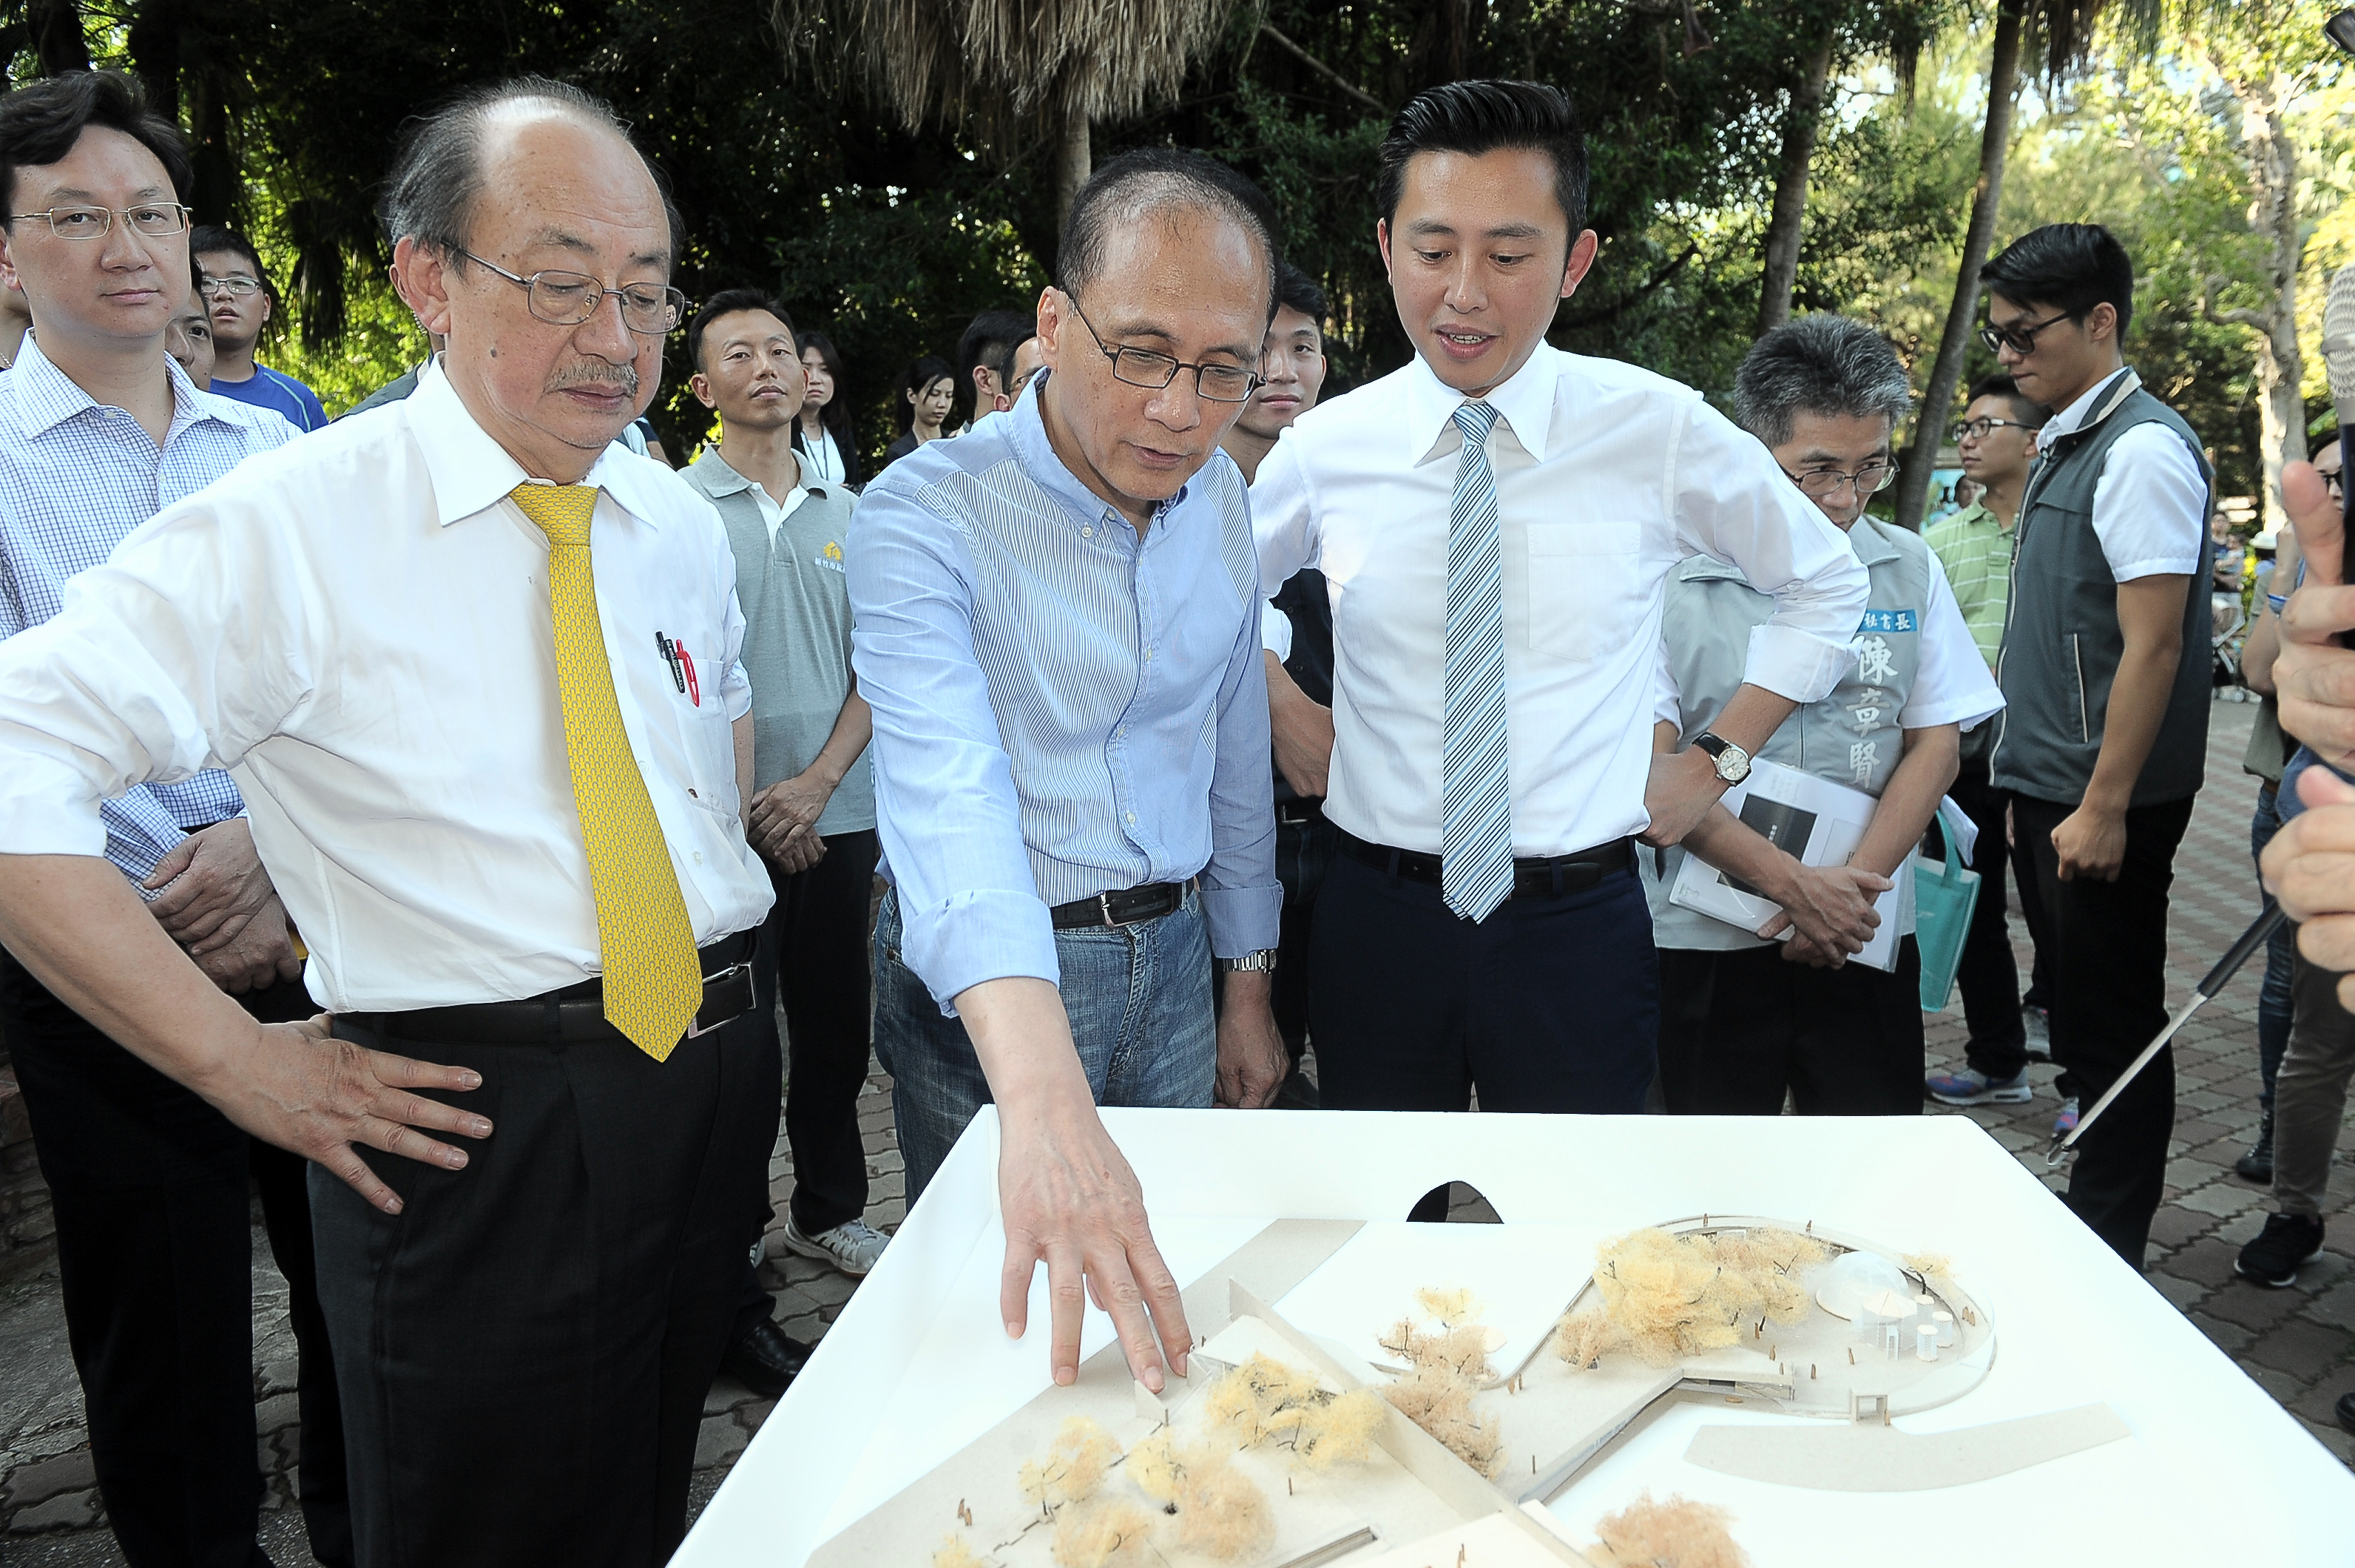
<point x="654" y="983"/>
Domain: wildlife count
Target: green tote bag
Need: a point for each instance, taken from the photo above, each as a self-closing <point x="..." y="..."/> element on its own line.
<point x="1943" y="897"/>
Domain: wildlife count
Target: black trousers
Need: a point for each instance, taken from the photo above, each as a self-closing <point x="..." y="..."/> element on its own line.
<point x="2108" y="960"/>
<point x="2039" y="926"/>
<point x="1551" y="1004"/>
<point x="1303" y="854"/>
<point x="816" y="958"/>
<point x="152" y="1194"/>
<point x="1739" y="1028"/>
<point x="1987" y="976"/>
<point x="524" y="1351"/>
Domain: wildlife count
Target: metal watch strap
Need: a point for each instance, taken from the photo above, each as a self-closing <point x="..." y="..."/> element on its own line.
<point x="1259" y="963"/>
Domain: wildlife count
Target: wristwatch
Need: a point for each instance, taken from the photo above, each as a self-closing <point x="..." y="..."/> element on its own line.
<point x="1731" y="763"/>
<point x="1259" y="963"/>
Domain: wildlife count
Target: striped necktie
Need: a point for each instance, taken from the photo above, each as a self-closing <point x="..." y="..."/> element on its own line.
<point x="653" y="982"/>
<point x="1476" y="844"/>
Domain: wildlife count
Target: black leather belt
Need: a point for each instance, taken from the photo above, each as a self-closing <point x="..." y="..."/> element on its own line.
<point x="1294" y="812"/>
<point x="575" y="1015"/>
<point x="1547" y="878"/>
<point x="1125" y="907"/>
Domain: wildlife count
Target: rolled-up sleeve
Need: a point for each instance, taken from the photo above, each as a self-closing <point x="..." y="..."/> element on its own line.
<point x="1283" y="518"/>
<point x="1242" y="902"/>
<point x="945" y="802"/>
<point x="1731" y="501"/>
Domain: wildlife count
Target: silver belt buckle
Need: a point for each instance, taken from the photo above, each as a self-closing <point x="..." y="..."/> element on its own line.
<point x="1103" y="902"/>
<point x="695" y="1028"/>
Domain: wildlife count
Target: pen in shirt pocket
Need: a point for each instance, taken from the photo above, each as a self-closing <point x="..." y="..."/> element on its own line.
<point x="693" y="689"/>
<point x="663" y="647"/>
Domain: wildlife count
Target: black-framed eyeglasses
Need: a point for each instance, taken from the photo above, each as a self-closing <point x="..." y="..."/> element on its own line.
<point x="1823" y="484"/>
<point x="1149" y="367"/>
<point x="2021" y="339"/>
<point x="236" y="286"/>
<point x="567" y="299"/>
<point x="1979" y="429"/>
<point x="150" y="220"/>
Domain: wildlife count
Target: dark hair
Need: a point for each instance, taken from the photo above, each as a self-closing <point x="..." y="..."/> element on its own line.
<point x="40" y="122"/>
<point x="1120" y="194"/>
<point x="208" y="239"/>
<point x="728" y="302"/>
<point x="437" y="171"/>
<point x="1477" y="117"/>
<point x="1297" y="290"/>
<point x="991" y="341"/>
<point x="2070" y="267"/>
<point x="927" y="369"/>
<point x="835" y="412"/>
<point x="2001" y="385"/>
<point x="1818" y="365"/>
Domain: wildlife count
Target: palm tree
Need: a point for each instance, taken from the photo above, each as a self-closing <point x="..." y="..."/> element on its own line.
<point x="1013" y="68"/>
<point x="2066" y="28"/>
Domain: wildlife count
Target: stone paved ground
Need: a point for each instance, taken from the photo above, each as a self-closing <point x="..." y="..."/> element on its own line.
<point x="2296" y="1343"/>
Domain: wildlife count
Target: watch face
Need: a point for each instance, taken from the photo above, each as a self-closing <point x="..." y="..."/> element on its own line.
<point x="1732" y="763"/>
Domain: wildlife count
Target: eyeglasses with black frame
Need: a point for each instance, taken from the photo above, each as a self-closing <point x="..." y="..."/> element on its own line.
<point x="1823" y="484"/>
<point x="149" y="219"/>
<point x="1150" y="367"/>
<point x="1979" y="429"/>
<point x="567" y="299"/>
<point x="2021" y="339"/>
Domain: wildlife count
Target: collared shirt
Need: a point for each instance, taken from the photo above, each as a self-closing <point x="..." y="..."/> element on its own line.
<point x="791" y="583"/>
<point x="2150" y="505"/>
<point x="1606" y="477"/>
<point x="1062" y="709"/>
<point x="1975" y="547"/>
<point x="357" y="626"/>
<point x="76" y="476"/>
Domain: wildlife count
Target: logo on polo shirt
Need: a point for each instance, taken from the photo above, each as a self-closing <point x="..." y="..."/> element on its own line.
<point x="830" y="557"/>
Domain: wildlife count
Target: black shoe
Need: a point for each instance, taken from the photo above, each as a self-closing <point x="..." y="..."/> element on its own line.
<point x="2286" y="1242"/>
<point x="2346" y="1408"/>
<point x="765" y="1360"/>
<point x="2257" y="1164"/>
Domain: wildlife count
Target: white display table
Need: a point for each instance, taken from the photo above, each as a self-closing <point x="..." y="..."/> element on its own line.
<point x="918" y="1365"/>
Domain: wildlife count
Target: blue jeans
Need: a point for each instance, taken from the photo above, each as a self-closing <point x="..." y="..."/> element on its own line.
<point x="2273" y="1004"/>
<point x="1139" y="1000"/>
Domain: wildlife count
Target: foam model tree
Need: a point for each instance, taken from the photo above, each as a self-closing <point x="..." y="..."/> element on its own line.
<point x="1447" y="1364"/>
<point x="1666" y="1296"/>
<point x="1672" y="1534"/>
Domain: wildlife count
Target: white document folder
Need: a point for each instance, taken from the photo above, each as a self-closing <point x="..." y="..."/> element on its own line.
<point x="1814" y="821"/>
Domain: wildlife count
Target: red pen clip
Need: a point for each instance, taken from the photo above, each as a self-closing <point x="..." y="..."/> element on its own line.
<point x="694" y="689"/>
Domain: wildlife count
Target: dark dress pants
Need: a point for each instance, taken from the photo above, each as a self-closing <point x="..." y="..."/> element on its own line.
<point x="1987" y="976"/>
<point x="524" y="1349"/>
<point x="813" y="951"/>
<point x="2108" y="960"/>
<point x="1737" y="1029"/>
<point x="151" y="1190"/>
<point x="1549" y="1004"/>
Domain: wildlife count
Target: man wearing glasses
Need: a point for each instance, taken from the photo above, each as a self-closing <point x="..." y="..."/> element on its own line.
<point x="146" y="1180"/>
<point x="1058" y="628"/>
<point x="474" y="671"/>
<point x="238" y="294"/>
<point x="2103" y="742"/>
<point x="1745" y="1021"/>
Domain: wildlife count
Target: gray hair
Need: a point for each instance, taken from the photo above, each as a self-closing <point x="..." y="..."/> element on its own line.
<point x="1819" y="365"/>
<point x="438" y="171"/>
<point x="1125" y="191"/>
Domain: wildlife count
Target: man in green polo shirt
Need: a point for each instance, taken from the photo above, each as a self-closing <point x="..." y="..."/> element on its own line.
<point x="1997" y="440"/>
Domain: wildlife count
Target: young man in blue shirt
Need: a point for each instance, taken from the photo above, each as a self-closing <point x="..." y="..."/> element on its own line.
<point x="239" y="296"/>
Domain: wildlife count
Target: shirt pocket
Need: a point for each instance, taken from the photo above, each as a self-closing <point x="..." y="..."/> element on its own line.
<point x="1581" y="583"/>
<point x="711" y="764"/>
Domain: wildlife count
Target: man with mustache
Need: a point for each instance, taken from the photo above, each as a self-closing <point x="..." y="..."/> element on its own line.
<point x="1057" y="630"/>
<point x="474" y="668"/>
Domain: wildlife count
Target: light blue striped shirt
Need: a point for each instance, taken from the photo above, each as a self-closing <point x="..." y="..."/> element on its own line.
<point x="1062" y="709"/>
<point x="75" y="477"/>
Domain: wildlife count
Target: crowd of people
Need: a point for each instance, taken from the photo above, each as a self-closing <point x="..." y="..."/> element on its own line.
<point x="369" y="836"/>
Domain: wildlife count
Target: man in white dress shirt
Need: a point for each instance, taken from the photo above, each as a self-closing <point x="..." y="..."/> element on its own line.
<point x="495" y="769"/>
<point x="1495" y="521"/>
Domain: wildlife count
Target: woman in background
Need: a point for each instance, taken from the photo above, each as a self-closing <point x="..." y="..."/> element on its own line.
<point x="927" y="396"/>
<point x="822" y="436"/>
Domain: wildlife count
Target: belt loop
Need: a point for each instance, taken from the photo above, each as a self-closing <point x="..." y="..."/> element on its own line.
<point x="1393" y="867"/>
<point x="555" y="1022"/>
<point x="1555" y="866"/>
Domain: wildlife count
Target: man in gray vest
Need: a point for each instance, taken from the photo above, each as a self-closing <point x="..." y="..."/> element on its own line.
<point x="2104" y="739"/>
<point x="1744" y="1020"/>
<point x="812" y="810"/>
